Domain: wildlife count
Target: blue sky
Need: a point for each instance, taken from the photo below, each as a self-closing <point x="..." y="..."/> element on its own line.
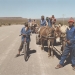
<point x="36" y="8"/>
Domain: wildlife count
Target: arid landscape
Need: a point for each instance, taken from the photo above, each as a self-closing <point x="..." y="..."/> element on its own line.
<point x="19" y="20"/>
<point x="37" y="37"/>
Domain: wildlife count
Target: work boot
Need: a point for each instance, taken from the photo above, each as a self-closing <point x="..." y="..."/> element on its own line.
<point x="74" y="68"/>
<point x="17" y="55"/>
<point x="58" y="66"/>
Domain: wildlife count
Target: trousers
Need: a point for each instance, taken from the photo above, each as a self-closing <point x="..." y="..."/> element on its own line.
<point x="68" y="49"/>
<point x="21" y="46"/>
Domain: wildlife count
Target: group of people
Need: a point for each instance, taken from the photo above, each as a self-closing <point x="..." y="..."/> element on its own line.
<point x="49" y="21"/>
<point x="70" y="39"/>
<point x="31" y="22"/>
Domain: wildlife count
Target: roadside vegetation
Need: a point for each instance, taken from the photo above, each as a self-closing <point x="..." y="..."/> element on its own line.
<point x="8" y="21"/>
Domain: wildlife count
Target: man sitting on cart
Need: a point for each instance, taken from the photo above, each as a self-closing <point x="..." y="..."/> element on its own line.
<point x="43" y="23"/>
<point x="52" y="21"/>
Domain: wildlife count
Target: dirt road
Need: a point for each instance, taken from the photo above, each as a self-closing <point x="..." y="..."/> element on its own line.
<point x="38" y="63"/>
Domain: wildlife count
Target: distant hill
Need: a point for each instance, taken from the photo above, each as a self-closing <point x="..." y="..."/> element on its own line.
<point x="12" y="20"/>
<point x="20" y="20"/>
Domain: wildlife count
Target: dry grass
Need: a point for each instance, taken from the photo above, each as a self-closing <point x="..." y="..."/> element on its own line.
<point x="18" y="20"/>
<point x="10" y="21"/>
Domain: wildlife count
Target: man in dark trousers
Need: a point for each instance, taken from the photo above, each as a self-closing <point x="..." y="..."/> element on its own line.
<point x="70" y="46"/>
<point x="25" y="32"/>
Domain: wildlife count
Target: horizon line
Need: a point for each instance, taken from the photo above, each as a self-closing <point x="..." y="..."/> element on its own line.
<point x="31" y="18"/>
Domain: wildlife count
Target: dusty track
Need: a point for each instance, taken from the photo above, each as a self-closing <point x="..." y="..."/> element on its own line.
<point x="38" y="63"/>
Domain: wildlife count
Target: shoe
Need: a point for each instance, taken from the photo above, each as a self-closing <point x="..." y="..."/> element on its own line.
<point x="17" y="55"/>
<point x="74" y="68"/>
<point x="58" y="66"/>
<point x="23" y="52"/>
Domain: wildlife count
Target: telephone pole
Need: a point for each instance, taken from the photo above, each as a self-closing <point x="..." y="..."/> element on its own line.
<point x="63" y="19"/>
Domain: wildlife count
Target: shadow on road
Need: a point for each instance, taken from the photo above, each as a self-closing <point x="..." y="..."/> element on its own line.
<point x="68" y="60"/>
<point x="29" y="52"/>
<point x="58" y="55"/>
<point x="46" y="49"/>
<point x="32" y="51"/>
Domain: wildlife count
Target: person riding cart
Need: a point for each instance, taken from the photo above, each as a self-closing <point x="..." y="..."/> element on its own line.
<point x="33" y="27"/>
<point x="52" y="21"/>
<point x="30" y="22"/>
<point x="47" y="20"/>
<point x="43" y="23"/>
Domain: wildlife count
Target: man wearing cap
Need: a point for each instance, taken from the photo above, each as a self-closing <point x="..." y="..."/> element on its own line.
<point x="70" y="45"/>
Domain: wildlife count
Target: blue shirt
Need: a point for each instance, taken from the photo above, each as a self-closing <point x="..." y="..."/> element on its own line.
<point x="29" y="20"/>
<point x="28" y="32"/>
<point x="43" y="22"/>
<point x="49" y="23"/>
<point x="70" y="35"/>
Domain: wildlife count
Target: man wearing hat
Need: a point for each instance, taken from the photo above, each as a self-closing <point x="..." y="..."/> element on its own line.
<point x="70" y="45"/>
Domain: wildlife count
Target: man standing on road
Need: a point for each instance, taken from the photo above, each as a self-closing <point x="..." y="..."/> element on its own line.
<point x="70" y="46"/>
<point x="25" y="32"/>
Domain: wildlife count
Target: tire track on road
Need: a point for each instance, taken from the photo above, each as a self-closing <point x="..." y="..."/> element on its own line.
<point x="5" y="54"/>
<point x="40" y="59"/>
<point x="5" y="36"/>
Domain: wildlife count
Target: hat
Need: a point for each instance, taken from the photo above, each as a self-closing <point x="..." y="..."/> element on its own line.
<point x="71" y="20"/>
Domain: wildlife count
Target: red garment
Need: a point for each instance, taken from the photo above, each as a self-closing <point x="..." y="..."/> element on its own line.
<point x="71" y="20"/>
<point x="53" y="19"/>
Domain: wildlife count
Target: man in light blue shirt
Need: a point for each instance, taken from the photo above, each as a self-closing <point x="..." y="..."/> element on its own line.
<point x="43" y="21"/>
<point x="29" y="20"/>
<point x="25" y="32"/>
